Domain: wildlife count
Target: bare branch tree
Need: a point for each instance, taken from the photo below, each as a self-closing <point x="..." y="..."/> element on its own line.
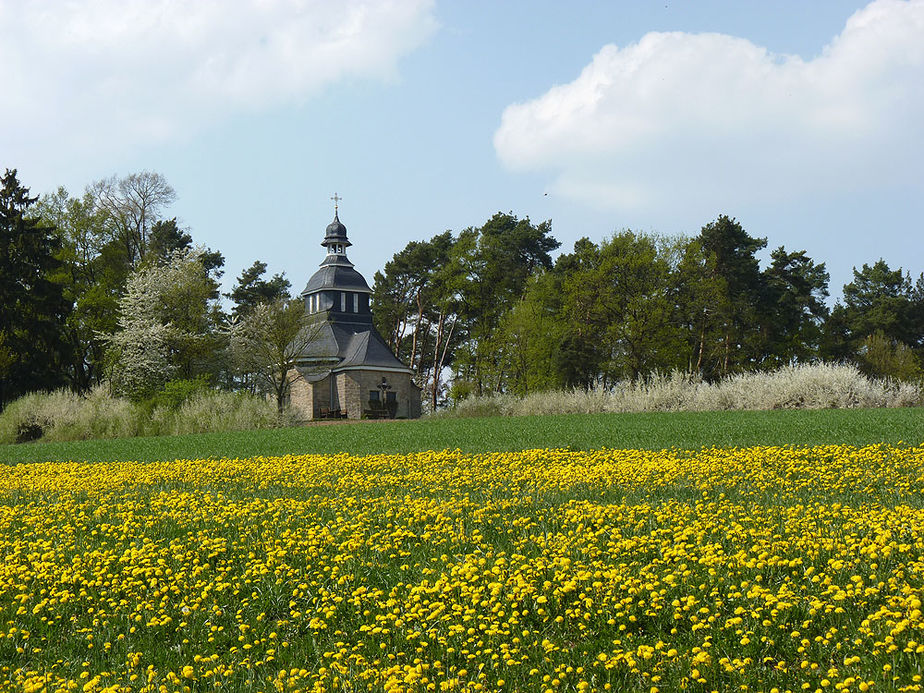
<point x="131" y="206"/>
<point x="270" y="340"/>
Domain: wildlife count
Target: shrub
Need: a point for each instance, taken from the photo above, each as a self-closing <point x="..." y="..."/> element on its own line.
<point x="183" y="408"/>
<point x="805" y="386"/>
<point x="218" y="410"/>
<point x="881" y="357"/>
<point x="64" y="415"/>
<point x="176" y="392"/>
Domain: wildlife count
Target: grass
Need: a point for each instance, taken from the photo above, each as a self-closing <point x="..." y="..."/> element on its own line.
<point x="646" y="431"/>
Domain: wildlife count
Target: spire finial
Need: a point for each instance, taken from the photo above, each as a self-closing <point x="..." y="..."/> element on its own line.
<point x="336" y="198"/>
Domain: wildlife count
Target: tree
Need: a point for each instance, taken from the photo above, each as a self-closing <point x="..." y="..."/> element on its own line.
<point x="166" y="237"/>
<point x="881" y="357"/>
<point x="92" y="285"/>
<point x="269" y="341"/>
<point x="416" y="310"/>
<point x="251" y="289"/>
<point x="578" y="360"/>
<point x="130" y="207"/>
<point x="696" y="293"/>
<point x="493" y="264"/>
<point x="631" y="305"/>
<point x="732" y="259"/>
<point x="95" y="232"/>
<point x="793" y="308"/>
<point x="33" y="308"/>
<point x="166" y="325"/>
<point x="878" y="300"/>
<point x="530" y="337"/>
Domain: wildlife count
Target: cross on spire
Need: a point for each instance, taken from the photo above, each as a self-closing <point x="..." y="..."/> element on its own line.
<point x="336" y="198"/>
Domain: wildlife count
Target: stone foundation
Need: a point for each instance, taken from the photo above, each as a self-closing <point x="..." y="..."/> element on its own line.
<point x="351" y="393"/>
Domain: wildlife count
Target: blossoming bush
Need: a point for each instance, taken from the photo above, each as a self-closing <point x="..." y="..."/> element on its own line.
<point x="770" y="568"/>
<point x="805" y="386"/>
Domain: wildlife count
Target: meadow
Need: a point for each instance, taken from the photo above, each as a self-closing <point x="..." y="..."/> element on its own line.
<point x="642" y="430"/>
<point x="747" y="568"/>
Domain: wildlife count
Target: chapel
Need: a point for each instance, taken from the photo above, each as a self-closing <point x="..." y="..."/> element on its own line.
<point x="349" y="371"/>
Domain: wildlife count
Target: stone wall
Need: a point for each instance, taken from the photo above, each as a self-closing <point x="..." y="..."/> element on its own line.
<point x="308" y="399"/>
<point x="351" y="393"/>
<point x="354" y="388"/>
<point x="301" y="396"/>
<point x="348" y="396"/>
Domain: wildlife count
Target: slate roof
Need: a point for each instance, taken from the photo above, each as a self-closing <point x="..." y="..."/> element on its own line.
<point x="344" y="346"/>
<point x="368" y="349"/>
<point x="337" y="276"/>
<point x="348" y="340"/>
<point x="336" y="232"/>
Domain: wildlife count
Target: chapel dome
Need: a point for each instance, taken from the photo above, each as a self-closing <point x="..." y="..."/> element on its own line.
<point x="337" y="277"/>
<point x="336" y="233"/>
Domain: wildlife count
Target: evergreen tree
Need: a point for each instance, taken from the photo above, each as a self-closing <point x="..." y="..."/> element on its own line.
<point x="33" y="308"/>
<point x="415" y="308"/>
<point x="880" y="307"/>
<point x="732" y="260"/>
<point x="494" y="263"/>
<point x="793" y="310"/>
<point x="251" y="289"/>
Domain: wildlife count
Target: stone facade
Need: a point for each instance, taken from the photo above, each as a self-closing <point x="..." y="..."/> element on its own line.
<point x="351" y="394"/>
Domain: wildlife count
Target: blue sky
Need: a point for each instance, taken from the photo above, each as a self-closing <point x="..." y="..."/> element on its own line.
<point x="800" y="119"/>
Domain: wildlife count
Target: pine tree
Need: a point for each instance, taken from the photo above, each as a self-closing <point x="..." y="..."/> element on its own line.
<point x="33" y="308"/>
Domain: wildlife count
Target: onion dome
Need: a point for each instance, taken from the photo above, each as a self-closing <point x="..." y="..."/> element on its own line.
<point x="336" y="234"/>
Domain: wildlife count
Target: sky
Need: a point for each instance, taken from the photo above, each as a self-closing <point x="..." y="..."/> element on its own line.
<point x="803" y="120"/>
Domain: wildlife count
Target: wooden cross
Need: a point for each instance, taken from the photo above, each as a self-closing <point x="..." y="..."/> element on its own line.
<point x="336" y="198"/>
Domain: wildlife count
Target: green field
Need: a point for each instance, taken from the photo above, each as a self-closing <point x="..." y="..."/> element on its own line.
<point x="686" y="430"/>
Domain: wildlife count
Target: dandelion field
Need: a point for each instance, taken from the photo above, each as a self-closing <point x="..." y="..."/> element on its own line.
<point x="749" y="568"/>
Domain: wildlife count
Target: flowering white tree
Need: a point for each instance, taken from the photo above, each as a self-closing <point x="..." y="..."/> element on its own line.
<point x="165" y="324"/>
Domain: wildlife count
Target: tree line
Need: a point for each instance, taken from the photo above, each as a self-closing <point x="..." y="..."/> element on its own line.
<point x="106" y="288"/>
<point x="488" y="310"/>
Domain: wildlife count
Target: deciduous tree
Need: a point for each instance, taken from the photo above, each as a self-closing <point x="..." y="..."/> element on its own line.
<point x="130" y="207"/>
<point x="269" y="340"/>
<point x="166" y="325"/>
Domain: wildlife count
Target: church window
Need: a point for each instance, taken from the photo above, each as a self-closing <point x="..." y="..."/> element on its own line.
<point x="355" y="303"/>
<point x="343" y="302"/>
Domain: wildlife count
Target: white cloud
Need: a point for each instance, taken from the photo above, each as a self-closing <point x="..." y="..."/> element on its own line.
<point x="710" y="120"/>
<point x="84" y="74"/>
